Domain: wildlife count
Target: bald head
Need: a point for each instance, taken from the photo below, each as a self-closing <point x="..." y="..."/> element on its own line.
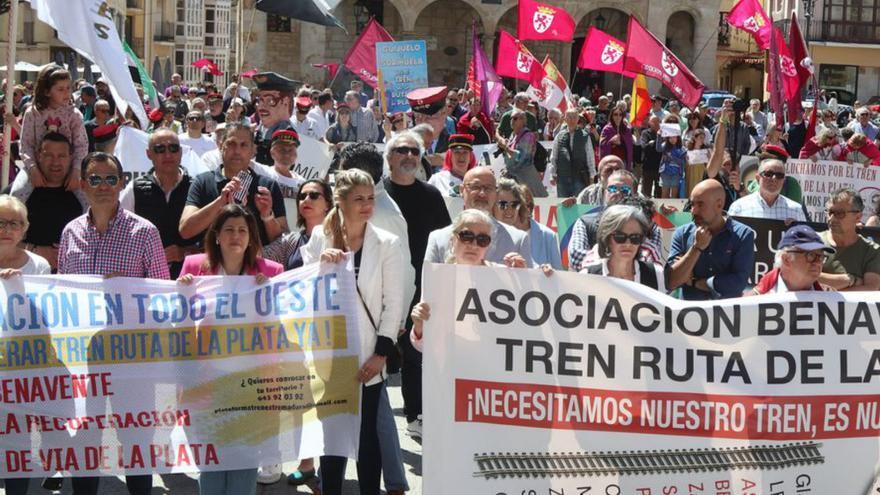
<point x="478" y="189"/>
<point x="707" y="202"/>
<point x="163" y="134"/>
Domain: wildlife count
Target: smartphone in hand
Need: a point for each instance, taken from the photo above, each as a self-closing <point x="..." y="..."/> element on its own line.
<point x="245" y="177"/>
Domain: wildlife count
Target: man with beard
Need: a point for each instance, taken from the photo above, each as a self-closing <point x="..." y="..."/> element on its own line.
<point x="711" y="257"/>
<point x="274" y="105"/>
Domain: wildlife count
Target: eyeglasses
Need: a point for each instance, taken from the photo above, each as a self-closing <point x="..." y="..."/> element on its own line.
<point x="300" y="110"/>
<point x="767" y="174"/>
<point x="812" y="256"/>
<point x="311" y="195"/>
<point x="468" y="237"/>
<point x="268" y="100"/>
<point x="193" y="119"/>
<point x="407" y="150"/>
<point x="840" y="213"/>
<point x="621" y="237"/>
<point x="505" y="205"/>
<point x="97" y="180"/>
<point x="614" y="189"/>
<point x="162" y="148"/>
<point x="474" y="188"/>
<point x="13" y="225"/>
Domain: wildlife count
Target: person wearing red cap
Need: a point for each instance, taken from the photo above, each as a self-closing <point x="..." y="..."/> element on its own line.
<point x="429" y="107"/>
<point x="302" y="123"/>
<point x="458" y="160"/>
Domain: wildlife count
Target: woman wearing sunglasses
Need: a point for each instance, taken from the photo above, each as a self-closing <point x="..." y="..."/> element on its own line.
<point x="313" y="203"/>
<point x="621" y="231"/>
<point x="471" y="237"/>
<point x="509" y="204"/>
<point x="348" y="234"/>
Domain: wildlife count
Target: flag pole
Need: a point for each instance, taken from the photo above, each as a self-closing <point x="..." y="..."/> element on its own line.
<point x="10" y="83"/>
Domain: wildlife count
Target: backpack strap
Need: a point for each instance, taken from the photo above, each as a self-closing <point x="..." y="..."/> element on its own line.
<point x="648" y="274"/>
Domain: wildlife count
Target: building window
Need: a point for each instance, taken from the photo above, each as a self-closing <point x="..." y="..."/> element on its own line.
<point x="277" y="23"/>
<point x="842" y="79"/>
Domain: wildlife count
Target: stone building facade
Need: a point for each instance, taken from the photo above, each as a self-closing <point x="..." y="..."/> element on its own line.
<point x="688" y="27"/>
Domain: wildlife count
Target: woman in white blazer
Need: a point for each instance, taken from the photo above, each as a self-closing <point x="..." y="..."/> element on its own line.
<point x="378" y="269"/>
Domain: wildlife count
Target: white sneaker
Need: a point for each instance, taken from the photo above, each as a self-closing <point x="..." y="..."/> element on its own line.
<point x="267" y="475"/>
<point x="414" y="428"/>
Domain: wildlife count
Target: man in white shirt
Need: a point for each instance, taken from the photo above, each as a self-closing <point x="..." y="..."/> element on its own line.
<point x="767" y="202"/>
<point x="302" y="123"/>
<point x="194" y="136"/>
<point x="320" y="113"/>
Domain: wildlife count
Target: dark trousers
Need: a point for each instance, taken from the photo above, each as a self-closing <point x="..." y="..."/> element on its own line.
<point x="410" y="378"/>
<point x="369" y="463"/>
<point x="16" y="486"/>
<point x="137" y="485"/>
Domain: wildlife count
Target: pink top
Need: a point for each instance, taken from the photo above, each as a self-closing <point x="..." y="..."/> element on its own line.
<point x="65" y="120"/>
<point x="195" y="264"/>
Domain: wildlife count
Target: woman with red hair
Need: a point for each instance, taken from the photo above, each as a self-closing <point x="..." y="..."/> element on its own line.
<point x="459" y="159"/>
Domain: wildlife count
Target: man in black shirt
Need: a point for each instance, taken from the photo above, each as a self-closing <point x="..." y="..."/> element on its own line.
<point x="210" y="191"/>
<point x="160" y="196"/>
<point x="423" y="208"/>
<point x="52" y="206"/>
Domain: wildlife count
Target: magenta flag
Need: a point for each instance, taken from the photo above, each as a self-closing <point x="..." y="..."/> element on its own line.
<point x="484" y="77"/>
<point x="646" y="55"/>
<point x="516" y="61"/>
<point x="541" y="21"/>
<point x="361" y="58"/>
<point x="603" y="52"/>
<point x="749" y="16"/>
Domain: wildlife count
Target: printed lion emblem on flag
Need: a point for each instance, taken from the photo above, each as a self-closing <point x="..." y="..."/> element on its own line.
<point x="668" y="64"/>
<point x="523" y="63"/>
<point x="611" y="53"/>
<point x="542" y="19"/>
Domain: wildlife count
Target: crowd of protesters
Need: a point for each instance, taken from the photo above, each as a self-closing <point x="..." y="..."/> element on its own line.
<point x="69" y="210"/>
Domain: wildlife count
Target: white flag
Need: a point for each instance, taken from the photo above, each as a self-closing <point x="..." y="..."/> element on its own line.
<point x="88" y="28"/>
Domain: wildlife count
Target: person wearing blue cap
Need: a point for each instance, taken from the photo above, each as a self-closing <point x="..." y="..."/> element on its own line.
<point x="798" y="265"/>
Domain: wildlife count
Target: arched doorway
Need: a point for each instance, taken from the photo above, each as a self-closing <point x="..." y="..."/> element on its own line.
<point x="446" y="27"/>
<point x="588" y="83"/>
<point x="680" y="36"/>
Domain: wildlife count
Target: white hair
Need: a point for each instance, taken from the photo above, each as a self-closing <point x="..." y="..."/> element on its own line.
<point x="400" y="136"/>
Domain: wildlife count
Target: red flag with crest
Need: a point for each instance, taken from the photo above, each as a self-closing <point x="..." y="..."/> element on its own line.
<point x="361" y="58"/>
<point x="645" y="54"/>
<point x="603" y="52"/>
<point x="553" y="91"/>
<point x="749" y="16"/>
<point x="540" y="21"/>
<point x="789" y="74"/>
<point x="516" y="61"/>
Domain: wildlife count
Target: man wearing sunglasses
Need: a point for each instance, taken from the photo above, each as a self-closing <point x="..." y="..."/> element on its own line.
<point x="234" y="182"/>
<point x="302" y="123"/>
<point x="479" y="190"/>
<point x="799" y="259"/>
<point x="195" y="137"/>
<point x="768" y="202"/>
<point x="428" y="106"/>
<point x="620" y="186"/>
<point x="856" y="264"/>
<point x="274" y="105"/>
<point x="160" y="196"/>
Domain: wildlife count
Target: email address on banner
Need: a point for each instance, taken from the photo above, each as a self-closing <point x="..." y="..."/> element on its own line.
<point x="281" y="407"/>
<point x="666" y="413"/>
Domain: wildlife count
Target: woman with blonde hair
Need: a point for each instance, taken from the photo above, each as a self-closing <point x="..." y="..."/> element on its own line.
<point x="347" y="234"/>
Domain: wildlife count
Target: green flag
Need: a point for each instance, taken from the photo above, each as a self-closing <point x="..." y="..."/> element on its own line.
<point x="146" y="82"/>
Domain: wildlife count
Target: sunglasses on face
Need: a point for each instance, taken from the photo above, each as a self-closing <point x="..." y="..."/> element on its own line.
<point x="505" y="205"/>
<point x="311" y="195"/>
<point x="97" y="180"/>
<point x="268" y="100"/>
<point x="193" y="119"/>
<point x="468" y="237"/>
<point x="614" y="189"/>
<point x="768" y="174"/>
<point x="162" y="148"/>
<point x="621" y="237"/>
<point x="407" y="150"/>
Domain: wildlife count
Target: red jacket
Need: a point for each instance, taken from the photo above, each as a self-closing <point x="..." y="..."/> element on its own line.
<point x="463" y="126"/>
<point x="769" y="280"/>
<point x="869" y="149"/>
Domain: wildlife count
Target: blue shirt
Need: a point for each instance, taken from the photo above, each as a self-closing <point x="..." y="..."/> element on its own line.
<point x="726" y="264"/>
<point x="545" y="247"/>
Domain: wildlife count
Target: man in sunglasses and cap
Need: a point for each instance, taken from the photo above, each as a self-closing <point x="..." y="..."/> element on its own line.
<point x="274" y="105"/>
<point x="798" y="265"/>
<point x="302" y="123"/>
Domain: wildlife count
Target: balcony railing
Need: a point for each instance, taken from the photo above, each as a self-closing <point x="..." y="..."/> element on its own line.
<point x="837" y="31"/>
<point x="163" y="31"/>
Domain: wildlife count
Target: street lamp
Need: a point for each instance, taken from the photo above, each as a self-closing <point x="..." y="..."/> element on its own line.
<point x="361" y="15"/>
<point x="599" y="21"/>
<point x="809" y="5"/>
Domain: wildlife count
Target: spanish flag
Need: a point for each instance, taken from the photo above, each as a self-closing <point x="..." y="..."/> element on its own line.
<point x="640" y="104"/>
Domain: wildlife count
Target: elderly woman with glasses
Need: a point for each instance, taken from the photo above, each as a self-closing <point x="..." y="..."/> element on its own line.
<point x="472" y="234"/>
<point x="622" y="230"/>
<point x="519" y="153"/>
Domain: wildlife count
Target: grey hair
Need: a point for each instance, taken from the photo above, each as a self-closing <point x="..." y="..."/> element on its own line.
<point x="780" y="255"/>
<point x="516" y="112"/>
<point x="469" y="216"/>
<point x="554" y="111"/>
<point x="522" y="95"/>
<point x="424" y="130"/>
<point x="770" y="161"/>
<point x="613" y="219"/>
<point x="847" y="194"/>
<point x="400" y="136"/>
